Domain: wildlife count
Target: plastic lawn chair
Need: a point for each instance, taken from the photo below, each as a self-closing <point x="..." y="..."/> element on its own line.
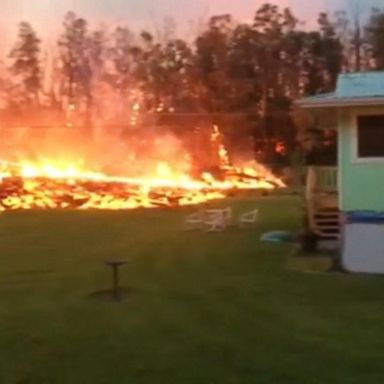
<point x="195" y="221"/>
<point x="216" y="220"/>
<point x="249" y="219"/>
<point x="228" y="215"/>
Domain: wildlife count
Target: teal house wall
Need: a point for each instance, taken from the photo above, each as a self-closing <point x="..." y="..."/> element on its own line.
<point x="361" y="181"/>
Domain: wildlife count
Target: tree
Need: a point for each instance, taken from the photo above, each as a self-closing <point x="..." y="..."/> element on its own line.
<point x="321" y="62"/>
<point x="122" y="57"/>
<point x="278" y="73"/>
<point x="26" y="63"/>
<point x="97" y="46"/>
<point x="225" y="80"/>
<point x="164" y="73"/>
<point x="352" y="33"/>
<point x="212" y="48"/>
<point x="375" y="37"/>
<point x="331" y="51"/>
<point x="75" y="65"/>
<point x="241" y="77"/>
<point x="249" y="74"/>
<point x="357" y="42"/>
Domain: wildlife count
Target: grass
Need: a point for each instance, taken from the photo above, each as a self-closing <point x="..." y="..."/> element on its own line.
<point x="204" y="308"/>
<point x="311" y="263"/>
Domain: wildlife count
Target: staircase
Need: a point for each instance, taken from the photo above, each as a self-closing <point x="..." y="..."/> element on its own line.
<point x="322" y="202"/>
<point x="326" y="224"/>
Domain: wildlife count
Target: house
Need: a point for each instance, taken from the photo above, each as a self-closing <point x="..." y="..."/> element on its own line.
<point x="356" y="109"/>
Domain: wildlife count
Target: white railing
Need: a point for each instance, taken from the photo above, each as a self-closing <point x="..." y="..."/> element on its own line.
<point x="321" y="179"/>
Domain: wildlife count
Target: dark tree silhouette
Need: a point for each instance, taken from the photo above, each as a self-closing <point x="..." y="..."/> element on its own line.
<point x="25" y="57"/>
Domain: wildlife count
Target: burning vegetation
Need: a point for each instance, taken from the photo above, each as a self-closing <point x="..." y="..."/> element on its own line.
<point x="67" y="184"/>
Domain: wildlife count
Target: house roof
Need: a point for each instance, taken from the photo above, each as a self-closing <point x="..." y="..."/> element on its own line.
<point x="352" y="89"/>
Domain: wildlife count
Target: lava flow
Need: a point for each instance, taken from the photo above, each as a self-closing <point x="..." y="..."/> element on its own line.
<point x="49" y="184"/>
<point x="49" y="187"/>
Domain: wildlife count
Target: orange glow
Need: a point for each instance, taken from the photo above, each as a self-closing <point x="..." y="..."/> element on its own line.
<point x="280" y="148"/>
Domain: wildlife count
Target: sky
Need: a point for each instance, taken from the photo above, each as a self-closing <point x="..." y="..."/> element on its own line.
<point x="46" y="15"/>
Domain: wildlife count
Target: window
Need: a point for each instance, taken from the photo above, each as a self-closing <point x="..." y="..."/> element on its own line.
<point x="370" y="136"/>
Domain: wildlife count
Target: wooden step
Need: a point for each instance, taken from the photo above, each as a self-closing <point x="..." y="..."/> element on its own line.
<point x="327" y="220"/>
<point x="326" y="223"/>
<point x="326" y="214"/>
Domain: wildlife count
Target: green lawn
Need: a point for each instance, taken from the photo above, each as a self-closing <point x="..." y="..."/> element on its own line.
<point x="204" y="308"/>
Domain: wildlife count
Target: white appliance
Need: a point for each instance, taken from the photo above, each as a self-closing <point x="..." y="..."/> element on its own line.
<point x="363" y="247"/>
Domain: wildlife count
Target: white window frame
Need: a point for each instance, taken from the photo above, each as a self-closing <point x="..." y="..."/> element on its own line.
<point x="355" y="145"/>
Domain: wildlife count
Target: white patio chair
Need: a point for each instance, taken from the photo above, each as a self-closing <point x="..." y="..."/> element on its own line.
<point x="249" y="219"/>
<point x="194" y="221"/>
<point x="228" y="215"/>
<point x="215" y="220"/>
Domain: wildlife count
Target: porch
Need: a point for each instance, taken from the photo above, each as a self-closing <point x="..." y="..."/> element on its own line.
<point x="323" y="215"/>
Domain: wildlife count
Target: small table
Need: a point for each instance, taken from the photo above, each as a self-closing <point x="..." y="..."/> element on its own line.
<point x="115" y="265"/>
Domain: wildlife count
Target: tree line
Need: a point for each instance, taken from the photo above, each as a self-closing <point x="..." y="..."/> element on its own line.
<point x="240" y="76"/>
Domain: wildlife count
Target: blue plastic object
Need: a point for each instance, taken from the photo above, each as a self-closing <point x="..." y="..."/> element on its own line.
<point x="278" y="237"/>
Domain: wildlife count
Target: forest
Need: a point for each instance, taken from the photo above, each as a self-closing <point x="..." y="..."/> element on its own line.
<point x="242" y="77"/>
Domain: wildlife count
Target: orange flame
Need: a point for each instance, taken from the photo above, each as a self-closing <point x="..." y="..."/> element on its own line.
<point x="53" y="184"/>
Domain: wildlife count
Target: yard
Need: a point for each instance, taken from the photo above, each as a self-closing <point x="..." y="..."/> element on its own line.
<point x="202" y="309"/>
